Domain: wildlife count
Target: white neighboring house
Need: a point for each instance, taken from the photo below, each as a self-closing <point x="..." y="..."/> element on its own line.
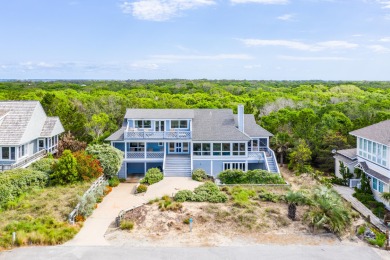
<point x="26" y="133"/>
<point x="372" y="155"/>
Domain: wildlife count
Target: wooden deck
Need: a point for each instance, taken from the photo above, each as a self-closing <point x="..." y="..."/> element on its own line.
<point x="346" y="193"/>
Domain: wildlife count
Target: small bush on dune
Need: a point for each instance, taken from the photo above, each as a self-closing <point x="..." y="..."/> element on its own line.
<point x="184" y="195"/>
<point x="142" y="188"/>
<point x="43" y="165"/>
<point x="113" y="181"/>
<point x="207" y="192"/>
<point x="127" y="225"/>
<point x="65" y="171"/>
<point x="153" y="175"/>
<point x="199" y="175"/>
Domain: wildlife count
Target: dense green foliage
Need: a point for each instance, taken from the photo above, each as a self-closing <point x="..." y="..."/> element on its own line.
<point x="153" y="175"/>
<point x="328" y="210"/>
<point x="142" y="188"/>
<point x="250" y="177"/>
<point x="65" y="170"/>
<point x="14" y="183"/>
<point x="206" y="192"/>
<point x="113" y="181"/>
<point x="368" y="199"/>
<point x="199" y="175"/>
<point x="321" y="113"/>
<point x="44" y="165"/>
<point x="109" y="157"/>
<point x="88" y="168"/>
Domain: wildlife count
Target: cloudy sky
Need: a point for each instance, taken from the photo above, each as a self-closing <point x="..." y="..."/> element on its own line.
<point x="194" y="39"/>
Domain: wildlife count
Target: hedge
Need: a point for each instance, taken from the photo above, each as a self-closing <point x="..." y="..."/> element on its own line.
<point x="250" y="177"/>
<point x="15" y="182"/>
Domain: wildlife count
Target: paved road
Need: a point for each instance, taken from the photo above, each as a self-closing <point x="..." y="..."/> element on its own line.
<point x="122" y="198"/>
<point x="273" y="252"/>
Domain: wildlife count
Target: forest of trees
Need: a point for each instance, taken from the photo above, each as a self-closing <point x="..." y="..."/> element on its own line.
<point x="312" y="115"/>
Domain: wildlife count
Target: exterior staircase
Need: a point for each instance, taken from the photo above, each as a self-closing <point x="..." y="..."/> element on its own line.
<point x="271" y="164"/>
<point x="177" y="166"/>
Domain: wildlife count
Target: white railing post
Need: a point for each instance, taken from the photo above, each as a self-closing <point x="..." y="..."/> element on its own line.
<point x="266" y="161"/>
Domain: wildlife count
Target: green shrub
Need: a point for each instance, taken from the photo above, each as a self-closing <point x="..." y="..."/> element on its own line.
<point x="153" y="175"/>
<point x="186" y="221"/>
<point x="113" y="181"/>
<point x="199" y="175"/>
<point x="269" y="196"/>
<point x="241" y="195"/>
<point x="87" y="204"/>
<point x="43" y="165"/>
<point x="142" y="188"/>
<point x="361" y="230"/>
<point x="184" y="195"/>
<point x="127" y="225"/>
<point x="206" y="192"/>
<point x="65" y="171"/>
<point x="368" y="199"/>
<point x="109" y="157"/>
<point x="122" y="179"/>
<point x="250" y="177"/>
<point x="209" y="192"/>
<point x="14" y="183"/>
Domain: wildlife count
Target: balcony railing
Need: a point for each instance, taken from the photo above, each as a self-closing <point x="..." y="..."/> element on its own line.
<point x="143" y="155"/>
<point x="158" y="135"/>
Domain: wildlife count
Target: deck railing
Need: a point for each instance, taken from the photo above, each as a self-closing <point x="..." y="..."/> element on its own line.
<point x="143" y="155"/>
<point x="158" y="135"/>
<point x="24" y="162"/>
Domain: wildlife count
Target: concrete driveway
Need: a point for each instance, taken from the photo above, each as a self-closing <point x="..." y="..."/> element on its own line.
<point x="121" y="198"/>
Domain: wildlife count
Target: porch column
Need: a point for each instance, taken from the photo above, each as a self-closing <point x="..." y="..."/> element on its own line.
<point x="145" y="149"/>
<point x="125" y="155"/>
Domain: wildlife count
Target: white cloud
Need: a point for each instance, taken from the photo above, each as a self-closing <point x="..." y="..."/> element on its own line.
<point x="385" y="39"/>
<point x="161" y="10"/>
<point x="174" y="57"/>
<point x="385" y="3"/>
<point x="299" y="58"/>
<point x="267" y="2"/>
<point x="297" y="45"/>
<point x="286" y="17"/>
<point x="379" y="48"/>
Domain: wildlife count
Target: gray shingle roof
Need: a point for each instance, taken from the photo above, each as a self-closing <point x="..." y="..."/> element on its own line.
<point x="349" y="153"/>
<point x="379" y="132"/>
<point x="16" y="120"/>
<point x="160" y="113"/>
<point x="117" y="136"/>
<point x="251" y="128"/>
<point x="373" y="173"/>
<point x="49" y="126"/>
<point x="216" y="125"/>
<point x="23" y="121"/>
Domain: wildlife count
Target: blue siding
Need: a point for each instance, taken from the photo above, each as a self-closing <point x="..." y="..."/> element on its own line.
<point x="202" y="164"/>
<point x="122" y="171"/>
<point x="7" y="162"/>
<point x="120" y="146"/>
<point x="133" y="168"/>
<point x="131" y="123"/>
<point x="154" y="165"/>
<point x="155" y="147"/>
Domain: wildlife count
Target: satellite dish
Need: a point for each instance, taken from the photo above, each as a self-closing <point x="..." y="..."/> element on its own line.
<point x="334" y="151"/>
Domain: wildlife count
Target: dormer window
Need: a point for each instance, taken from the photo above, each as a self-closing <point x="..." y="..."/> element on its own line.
<point x="143" y="124"/>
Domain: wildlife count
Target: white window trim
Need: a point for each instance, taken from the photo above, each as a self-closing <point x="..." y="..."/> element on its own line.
<point x="241" y="166"/>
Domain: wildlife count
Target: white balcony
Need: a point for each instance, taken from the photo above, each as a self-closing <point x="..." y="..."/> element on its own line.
<point x="134" y="134"/>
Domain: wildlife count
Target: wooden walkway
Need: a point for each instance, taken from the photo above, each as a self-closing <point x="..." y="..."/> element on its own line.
<point x="346" y="193"/>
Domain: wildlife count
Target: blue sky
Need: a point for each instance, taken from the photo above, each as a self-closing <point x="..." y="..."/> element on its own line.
<point x="213" y="39"/>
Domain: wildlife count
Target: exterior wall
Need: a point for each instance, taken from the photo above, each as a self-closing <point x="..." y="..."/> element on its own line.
<point x="154" y="147"/>
<point x="337" y="167"/>
<point x="133" y="168"/>
<point x="202" y="164"/>
<point x="122" y="171"/>
<point x="154" y="165"/>
<point x="34" y="127"/>
<point x="120" y="146"/>
<point x="377" y="194"/>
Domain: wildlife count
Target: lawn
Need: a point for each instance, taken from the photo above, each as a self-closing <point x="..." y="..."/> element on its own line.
<point x="39" y="217"/>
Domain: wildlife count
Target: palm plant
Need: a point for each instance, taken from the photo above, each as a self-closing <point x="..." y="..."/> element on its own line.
<point x="281" y="142"/>
<point x="386" y="196"/>
<point x="294" y="199"/>
<point x="328" y="210"/>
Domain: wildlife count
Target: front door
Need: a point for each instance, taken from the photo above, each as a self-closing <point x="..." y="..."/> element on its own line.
<point x="178" y="147"/>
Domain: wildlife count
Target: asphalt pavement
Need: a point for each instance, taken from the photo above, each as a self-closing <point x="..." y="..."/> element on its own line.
<point x="274" y="252"/>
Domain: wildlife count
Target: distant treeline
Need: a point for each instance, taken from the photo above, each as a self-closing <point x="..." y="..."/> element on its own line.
<point x="320" y="112"/>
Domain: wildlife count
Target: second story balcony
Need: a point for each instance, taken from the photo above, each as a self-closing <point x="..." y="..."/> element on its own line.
<point x="148" y="134"/>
